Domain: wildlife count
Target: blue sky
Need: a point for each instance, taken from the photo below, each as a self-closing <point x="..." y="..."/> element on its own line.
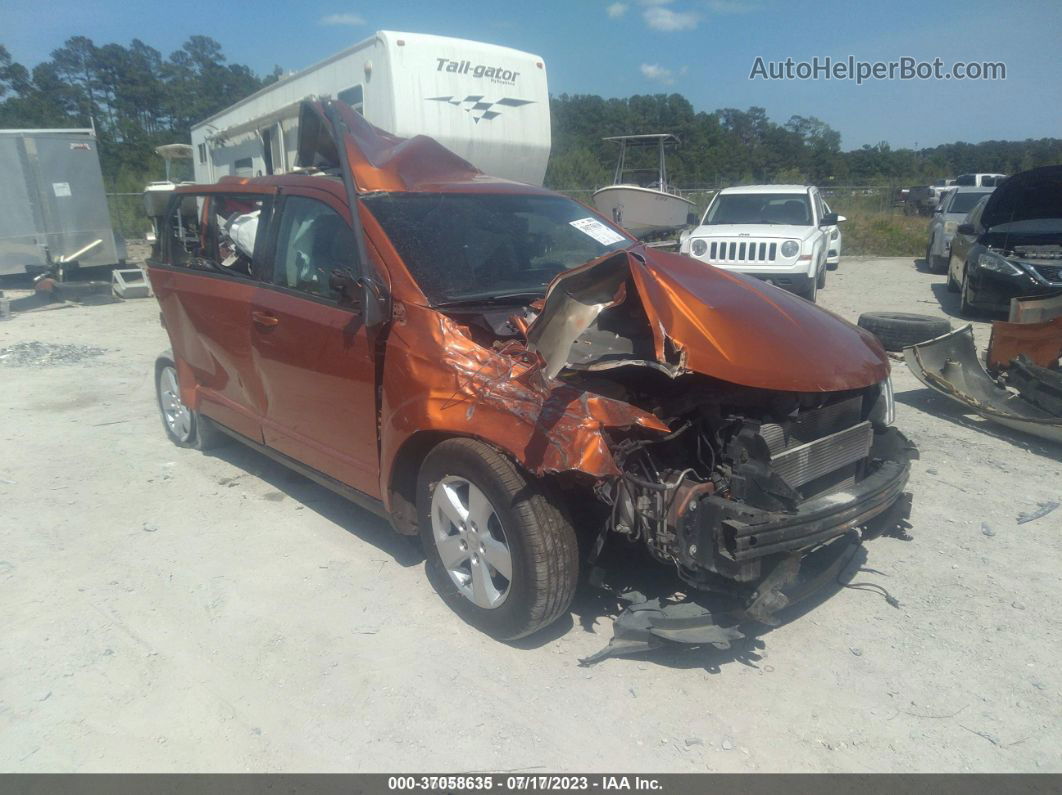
<point x="703" y="49"/>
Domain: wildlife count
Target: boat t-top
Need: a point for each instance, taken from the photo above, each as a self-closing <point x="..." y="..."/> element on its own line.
<point x="641" y="200"/>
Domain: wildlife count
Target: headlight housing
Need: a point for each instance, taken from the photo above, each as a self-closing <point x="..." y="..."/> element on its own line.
<point x="698" y="247"/>
<point x="883" y="412"/>
<point x="996" y="264"/>
<point x="950" y="227"/>
<point x="790" y="248"/>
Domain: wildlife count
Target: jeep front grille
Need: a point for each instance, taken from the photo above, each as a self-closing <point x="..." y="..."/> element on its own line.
<point x="731" y="251"/>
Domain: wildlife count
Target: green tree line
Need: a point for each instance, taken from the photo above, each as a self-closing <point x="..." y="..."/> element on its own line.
<point x="731" y="146"/>
<point x="137" y="99"/>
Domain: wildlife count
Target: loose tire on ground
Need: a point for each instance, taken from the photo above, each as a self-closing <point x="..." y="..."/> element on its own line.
<point x="898" y="330"/>
<point x="540" y="539"/>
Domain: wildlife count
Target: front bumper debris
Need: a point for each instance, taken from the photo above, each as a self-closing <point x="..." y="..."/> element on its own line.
<point x="649" y="623"/>
<point x="949" y="365"/>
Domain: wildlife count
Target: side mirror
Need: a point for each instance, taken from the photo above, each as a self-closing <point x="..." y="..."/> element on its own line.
<point x="344" y="283"/>
<point x="841" y="219"/>
<point x="967" y="229"/>
<point x="938" y="209"/>
<point x="830" y="219"/>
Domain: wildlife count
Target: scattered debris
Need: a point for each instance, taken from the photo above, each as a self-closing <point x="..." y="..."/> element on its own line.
<point x="1042" y="509"/>
<point x="987" y="530"/>
<point x="950" y="365"/>
<point x="46" y="354"/>
<point x="991" y="738"/>
<point x="1017" y="605"/>
<point x="856" y="652"/>
<point x="691" y="741"/>
<point x="727" y="744"/>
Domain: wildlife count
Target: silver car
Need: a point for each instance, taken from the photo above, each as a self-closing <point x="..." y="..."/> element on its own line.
<point x="946" y="219"/>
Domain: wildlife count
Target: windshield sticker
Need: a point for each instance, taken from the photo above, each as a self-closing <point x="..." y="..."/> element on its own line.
<point x="598" y="231"/>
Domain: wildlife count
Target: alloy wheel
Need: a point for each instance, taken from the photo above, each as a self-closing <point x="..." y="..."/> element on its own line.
<point x="178" y="417"/>
<point x="471" y="542"/>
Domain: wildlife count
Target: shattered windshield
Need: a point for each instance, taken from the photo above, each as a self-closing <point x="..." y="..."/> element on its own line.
<point x="791" y="209"/>
<point x="463" y="246"/>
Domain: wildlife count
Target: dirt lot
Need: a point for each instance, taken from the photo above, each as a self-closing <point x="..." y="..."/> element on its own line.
<point x="167" y="610"/>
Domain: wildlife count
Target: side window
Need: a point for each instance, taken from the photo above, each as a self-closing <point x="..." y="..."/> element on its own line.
<point x="214" y="233"/>
<point x="819" y="212"/>
<point x="313" y="241"/>
<point x="353" y="96"/>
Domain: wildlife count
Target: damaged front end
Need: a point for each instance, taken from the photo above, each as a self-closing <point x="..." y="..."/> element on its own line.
<point x="765" y="431"/>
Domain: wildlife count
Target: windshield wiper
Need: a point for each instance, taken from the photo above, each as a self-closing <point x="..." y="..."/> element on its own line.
<point x="494" y="298"/>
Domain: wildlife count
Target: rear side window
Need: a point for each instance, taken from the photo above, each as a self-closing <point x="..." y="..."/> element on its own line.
<point x="313" y="240"/>
<point x="215" y="232"/>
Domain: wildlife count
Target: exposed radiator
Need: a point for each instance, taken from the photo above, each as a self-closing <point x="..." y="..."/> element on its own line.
<point x="813" y="424"/>
<point x="806" y="462"/>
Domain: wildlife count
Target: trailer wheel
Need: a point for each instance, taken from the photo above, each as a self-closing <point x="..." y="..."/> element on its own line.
<point x="899" y="330"/>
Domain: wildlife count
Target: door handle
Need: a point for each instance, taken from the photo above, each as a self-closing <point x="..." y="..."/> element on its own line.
<point x="264" y="319"/>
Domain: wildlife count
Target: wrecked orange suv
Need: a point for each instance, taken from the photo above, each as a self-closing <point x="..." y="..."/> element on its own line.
<point x="508" y="374"/>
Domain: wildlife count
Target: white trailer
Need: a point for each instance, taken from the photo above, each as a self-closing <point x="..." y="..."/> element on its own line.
<point x="489" y="104"/>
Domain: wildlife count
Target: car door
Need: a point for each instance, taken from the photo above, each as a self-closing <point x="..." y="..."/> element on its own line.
<point x="205" y="282"/>
<point x="833" y="235"/>
<point x="822" y="231"/>
<point x="961" y="244"/>
<point x="310" y="345"/>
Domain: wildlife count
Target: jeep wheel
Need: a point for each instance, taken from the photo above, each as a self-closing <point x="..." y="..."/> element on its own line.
<point x="899" y="330"/>
<point x="499" y="551"/>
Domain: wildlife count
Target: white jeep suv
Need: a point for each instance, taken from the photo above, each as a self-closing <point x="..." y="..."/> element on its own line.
<point x="783" y="234"/>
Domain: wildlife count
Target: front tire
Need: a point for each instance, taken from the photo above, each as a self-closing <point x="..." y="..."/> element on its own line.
<point x="966" y="308"/>
<point x="499" y="550"/>
<point x="811" y="292"/>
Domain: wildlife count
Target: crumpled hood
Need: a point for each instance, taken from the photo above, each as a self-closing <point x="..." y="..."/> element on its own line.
<point x="780" y="231"/>
<point x="711" y="321"/>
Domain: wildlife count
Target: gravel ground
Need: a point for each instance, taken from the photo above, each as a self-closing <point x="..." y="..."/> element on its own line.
<point x="168" y="610"/>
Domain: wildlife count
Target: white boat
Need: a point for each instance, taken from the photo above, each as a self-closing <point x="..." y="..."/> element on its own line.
<point x="157" y="194"/>
<point x="640" y="199"/>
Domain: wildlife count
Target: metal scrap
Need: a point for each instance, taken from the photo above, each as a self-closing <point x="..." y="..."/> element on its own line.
<point x="1042" y="509"/>
<point x="949" y="365"/>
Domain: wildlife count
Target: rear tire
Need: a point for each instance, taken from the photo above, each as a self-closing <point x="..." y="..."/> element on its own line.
<point x="521" y="516"/>
<point x="898" y="330"/>
<point x="184" y="427"/>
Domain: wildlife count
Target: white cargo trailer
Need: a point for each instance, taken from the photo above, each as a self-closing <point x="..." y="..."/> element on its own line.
<point x="489" y="104"/>
<point x="53" y="208"/>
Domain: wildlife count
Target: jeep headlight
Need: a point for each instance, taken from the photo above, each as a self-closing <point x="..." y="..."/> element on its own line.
<point x="698" y="247"/>
<point x="790" y="248"/>
<point x="883" y="412"/>
<point x="996" y="264"/>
